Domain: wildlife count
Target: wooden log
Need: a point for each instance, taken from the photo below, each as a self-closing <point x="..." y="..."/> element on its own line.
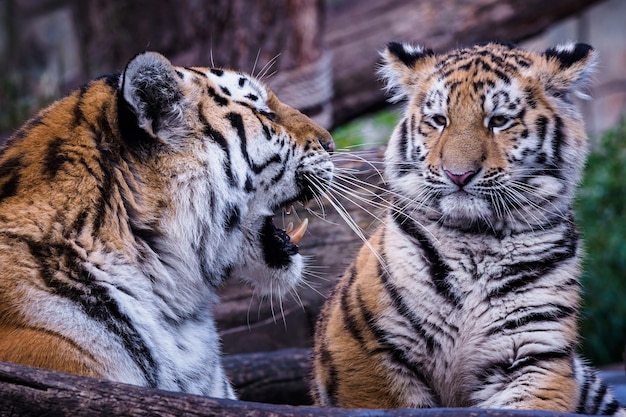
<point x="26" y="392"/>
<point x="277" y="377"/>
<point x="357" y="30"/>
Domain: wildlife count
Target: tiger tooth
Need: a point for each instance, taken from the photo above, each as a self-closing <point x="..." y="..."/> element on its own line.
<point x="296" y="235"/>
<point x="289" y="209"/>
<point x="289" y="227"/>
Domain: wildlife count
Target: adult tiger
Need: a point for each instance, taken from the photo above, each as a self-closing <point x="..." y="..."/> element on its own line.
<point x="468" y="294"/>
<point x="125" y="204"/>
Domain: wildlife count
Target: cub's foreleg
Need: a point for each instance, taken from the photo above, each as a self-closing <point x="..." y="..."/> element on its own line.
<point x="356" y="363"/>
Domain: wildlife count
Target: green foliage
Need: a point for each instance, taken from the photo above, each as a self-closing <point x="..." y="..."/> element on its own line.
<point x="601" y="216"/>
<point x="366" y="131"/>
<point x="15" y="110"/>
<point x="21" y="97"/>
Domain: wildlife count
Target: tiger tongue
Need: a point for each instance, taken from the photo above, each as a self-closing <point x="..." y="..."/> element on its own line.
<point x="295" y="235"/>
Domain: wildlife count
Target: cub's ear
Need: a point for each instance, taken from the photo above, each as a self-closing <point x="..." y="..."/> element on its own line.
<point x="568" y="69"/>
<point x="151" y="90"/>
<point x="403" y="66"/>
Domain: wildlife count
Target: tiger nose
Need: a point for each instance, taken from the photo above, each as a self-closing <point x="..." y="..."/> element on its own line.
<point x="460" y="179"/>
<point x="327" y="142"/>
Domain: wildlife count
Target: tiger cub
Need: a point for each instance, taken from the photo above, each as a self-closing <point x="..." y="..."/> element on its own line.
<point x="468" y="294"/>
<point x="124" y="205"/>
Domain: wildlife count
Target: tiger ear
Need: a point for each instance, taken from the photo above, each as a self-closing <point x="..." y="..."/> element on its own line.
<point x="568" y="69"/>
<point x="402" y="67"/>
<point x="150" y="88"/>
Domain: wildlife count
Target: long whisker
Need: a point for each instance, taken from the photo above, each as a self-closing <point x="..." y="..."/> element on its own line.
<point x="343" y="213"/>
<point x="267" y="67"/>
<point x="256" y="61"/>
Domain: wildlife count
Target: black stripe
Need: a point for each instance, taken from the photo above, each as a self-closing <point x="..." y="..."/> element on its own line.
<point x="534" y="359"/>
<point x="599" y="397"/>
<point x="610" y="408"/>
<point x="527" y="273"/>
<point x="378" y="333"/>
<point x="221" y="141"/>
<point x="280" y="174"/>
<point x="404" y="311"/>
<point x="237" y="122"/>
<point x="508" y="368"/>
<point x="333" y="378"/>
<point x="219" y="100"/>
<point x="78" y="112"/>
<point x="584" y="391"/>
<point x="349" y="320"/>
<point x="403" y="142"/>
<point x="529" y="95"/>
<point x="396" y="354"/>
<point x="403" y="146"/>
<point x="225" y="90"/>
<point x="557" y="141"/>
<point x="248" y="186"/>
<point x="10" y="168"/>
<point x="102" y="122"/>
<point x="202" y="74"/>
<point x="94" y="300"/>
<point x="541" y="124"/>
<point x="438" y="270"/>
<point x="233" y="218"/>
<point x="9" y="188"/>
<point x="79" y="223"/>
<point x="55" y="157"/>
<point x="501" y="75"/>
<point x="556" y="314"/>
<point x="105" y="187"/>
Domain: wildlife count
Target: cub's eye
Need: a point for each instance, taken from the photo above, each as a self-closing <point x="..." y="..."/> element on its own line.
<point x="439" y="120"/>
<point x="271" y="116"/>
<point x="498" y="121"/>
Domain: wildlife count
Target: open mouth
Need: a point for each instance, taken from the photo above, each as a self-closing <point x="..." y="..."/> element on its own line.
<point x="280" y="244"/>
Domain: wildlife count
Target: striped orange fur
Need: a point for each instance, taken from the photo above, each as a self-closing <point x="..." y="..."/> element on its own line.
<point x="124" y="205"/>
<point x="468" y="295"/>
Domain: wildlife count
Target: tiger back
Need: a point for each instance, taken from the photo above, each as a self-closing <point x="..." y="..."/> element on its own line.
<point x="468" y="295"/>
<point x="124" y="205"/>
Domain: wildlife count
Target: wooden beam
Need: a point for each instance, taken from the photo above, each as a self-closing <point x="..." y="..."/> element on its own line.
<point x="26" y="392"/>
<point x="356" y="31"/>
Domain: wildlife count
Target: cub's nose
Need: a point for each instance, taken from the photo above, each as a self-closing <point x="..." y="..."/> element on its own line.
<point x="460" y="179"/>
<point x="327" y="142"/>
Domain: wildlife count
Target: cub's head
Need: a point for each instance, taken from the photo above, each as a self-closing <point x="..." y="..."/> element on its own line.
<point x="490" y="138"/>
<point x="231" y="155"/>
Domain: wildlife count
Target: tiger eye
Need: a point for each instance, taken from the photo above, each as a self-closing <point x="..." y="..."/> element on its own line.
<point x="497" y="121"/>
<point x="439" y="120"/>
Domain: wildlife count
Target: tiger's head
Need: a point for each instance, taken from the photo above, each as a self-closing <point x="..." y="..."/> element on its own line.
<point x="235" y="154"/>
<point x="490" y="138"/>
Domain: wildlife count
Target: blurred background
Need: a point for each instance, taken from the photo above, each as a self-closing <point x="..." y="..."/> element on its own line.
<point x="320" y="56"/>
